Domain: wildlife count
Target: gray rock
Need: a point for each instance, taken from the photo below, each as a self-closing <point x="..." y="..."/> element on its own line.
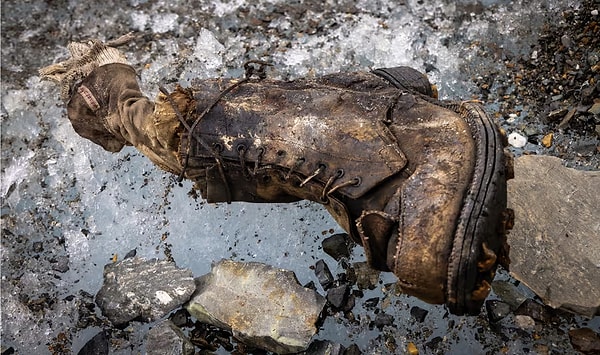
<point x="508" y="293"/>
<point x="137" y="287"/>
<point x="98" y="345"/>
<point x="323" y="274"/>
<point x="263" y="306"/>
<point x="555" y="244"/>
<point x="337" y="246"/>
<point x="496" y="310"/>
<point x="166" y="338"/>
<point x="383" y="319"/>
<point x="418" y="313"/>
<point x="337" y="296"/>
<point x="324" y="347"/>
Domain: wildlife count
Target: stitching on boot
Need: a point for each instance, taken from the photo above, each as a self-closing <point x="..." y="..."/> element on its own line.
<point x="88" y="97"/>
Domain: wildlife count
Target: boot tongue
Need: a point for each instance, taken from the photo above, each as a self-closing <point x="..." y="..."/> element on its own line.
<point x="407" y="78"/>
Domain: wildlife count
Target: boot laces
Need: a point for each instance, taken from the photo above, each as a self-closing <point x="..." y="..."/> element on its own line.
<point x="250" y="70"/>
<point x="329" y="188"/>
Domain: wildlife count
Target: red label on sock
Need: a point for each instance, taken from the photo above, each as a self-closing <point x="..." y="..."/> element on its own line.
<point x="90" y="100"/>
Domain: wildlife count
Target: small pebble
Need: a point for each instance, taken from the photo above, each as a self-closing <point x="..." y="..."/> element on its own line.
<point x="383" y="319"/>
<point x="594" y="12"/>
<point x="411" y="348"/>
<point x="524" y="322"/>
<point x="418" y="313"/>
<point x="547" y="140"/>
<point x="496" y="310"/>
<point x="595" y="109"/>
<point x="517" y="140"/>
<point x="534" y="55"/>
<point x="38" y="247"/>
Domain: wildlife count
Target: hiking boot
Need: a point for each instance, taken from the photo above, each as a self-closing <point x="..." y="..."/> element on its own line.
<point x="419" y="183"/>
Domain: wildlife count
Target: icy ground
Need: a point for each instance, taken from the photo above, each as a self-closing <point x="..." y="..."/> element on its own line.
<point x="68" y="207"/>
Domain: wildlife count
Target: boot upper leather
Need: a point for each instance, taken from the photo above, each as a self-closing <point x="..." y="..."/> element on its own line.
<point x="394" y="169"/>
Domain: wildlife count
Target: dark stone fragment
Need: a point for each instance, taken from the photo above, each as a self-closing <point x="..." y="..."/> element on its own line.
<point x="383" y="319"/>
<point x="324" y="347"/>
<point x="130" y="254"/>
<point x="60" y="264"/>
<point x="585" y="340"/>
<point x="496" y="310"/>
<point x="337" y="296"/>
<point x="337" y="246"/>
<point x="434" y="343"/>
<point x="353" y="350"/>
<point x="166" y="338"/>
<point x="38" y="247"/>
<point x="535" y="310"/>
<point x="323" y="274"/>
<point x="8" y="351"/>
<point x="311" y="285"/>
<point x="350" y="303"/>
<point x="180" y="318"/>
<point x="371" y="303"/>
<point x="418" y="313"/>
<point x="508" y="293"/>
<point x="98" y="345"/>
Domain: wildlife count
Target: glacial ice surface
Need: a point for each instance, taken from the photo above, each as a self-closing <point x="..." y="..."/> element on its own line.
<point x="67" y="196"/>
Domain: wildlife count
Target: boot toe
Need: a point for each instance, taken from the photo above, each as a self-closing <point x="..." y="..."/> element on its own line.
<point x="479" y="244"/>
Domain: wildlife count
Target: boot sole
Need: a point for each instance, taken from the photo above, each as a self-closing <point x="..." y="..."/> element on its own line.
<point x="480" y="238"/>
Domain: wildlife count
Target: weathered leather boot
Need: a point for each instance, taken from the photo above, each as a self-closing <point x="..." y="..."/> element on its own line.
<point x="419" y="183"/>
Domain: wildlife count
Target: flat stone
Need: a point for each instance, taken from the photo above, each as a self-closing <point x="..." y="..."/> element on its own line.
<point x="536" y="311"/>
<point x="167" y="338"/>
<point x="383" y="319"/>
<point x="324" y="347"/>
<point x="496" y="310"/>
<point x="554" y="245"/>
<point x="323" y="274"/>
<point x="337" y="246"/>
<point x="139" y="288"/>
<point x="261" y="305"/>
<point x="508" y="293"/>
<point x="585" y="340"/>
<point x="337" y="296"/>
<point x="595" y="109"/>
<point x="418" y="313"/>
<point x="98" y="345"/>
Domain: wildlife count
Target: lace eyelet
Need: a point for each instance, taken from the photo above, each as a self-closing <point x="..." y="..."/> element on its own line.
<point x="218" y="147"/>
